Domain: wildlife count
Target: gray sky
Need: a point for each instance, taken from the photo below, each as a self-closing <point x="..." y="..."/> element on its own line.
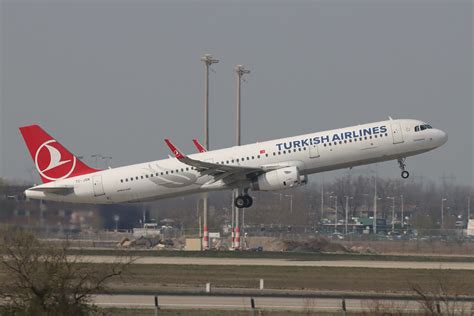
<point x="117" y="77"/>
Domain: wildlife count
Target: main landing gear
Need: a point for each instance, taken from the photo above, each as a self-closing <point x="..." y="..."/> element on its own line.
<point x="243" y="201"/>
<point x="402" y="165"/>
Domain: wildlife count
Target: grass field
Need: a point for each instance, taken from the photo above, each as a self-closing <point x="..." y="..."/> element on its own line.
<point x="156" y="278"/>
<point x="177" y="312"/>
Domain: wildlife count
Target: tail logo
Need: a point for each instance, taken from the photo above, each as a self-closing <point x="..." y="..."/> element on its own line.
<point x="53" y="162"/>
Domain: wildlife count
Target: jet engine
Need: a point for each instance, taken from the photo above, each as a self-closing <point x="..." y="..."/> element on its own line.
<point x="283" y="178"/>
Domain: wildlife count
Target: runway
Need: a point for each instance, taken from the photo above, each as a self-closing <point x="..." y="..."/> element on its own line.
<point x="289" y="262"/>
<point x="263" y="303"/>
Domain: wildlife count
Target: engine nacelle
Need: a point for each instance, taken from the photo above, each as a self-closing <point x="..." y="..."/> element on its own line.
<point x="283" y="178"/>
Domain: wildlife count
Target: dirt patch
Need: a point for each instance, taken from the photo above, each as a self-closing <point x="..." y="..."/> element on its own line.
<point x="314" y="244"/>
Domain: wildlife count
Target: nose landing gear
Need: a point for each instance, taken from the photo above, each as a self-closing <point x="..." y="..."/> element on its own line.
<point x="402" y="165"/>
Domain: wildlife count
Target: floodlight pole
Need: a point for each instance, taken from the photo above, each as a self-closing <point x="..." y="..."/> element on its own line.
<point x="393" y="211"/>
<point x="240" y="70"/>
<point x="208" y="60"/>
<point x="442" y="212"/>
<point x="375" y="204"/>
<point x="347" y="212"/>
<point x="468" y="208"/>
<point x="402" y="206"/>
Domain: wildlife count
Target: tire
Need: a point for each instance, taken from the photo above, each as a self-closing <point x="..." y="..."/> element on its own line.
<point x="248" y="201"/>
<point x="405" y="174"/>
<point x="240" y="202"/>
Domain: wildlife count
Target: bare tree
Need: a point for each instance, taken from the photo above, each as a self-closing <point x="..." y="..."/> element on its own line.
<point x="42" y="279"/>
<point x="442" y="296"/>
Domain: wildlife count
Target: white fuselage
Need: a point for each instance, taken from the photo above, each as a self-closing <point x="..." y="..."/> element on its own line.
<point x="311" y="153"/>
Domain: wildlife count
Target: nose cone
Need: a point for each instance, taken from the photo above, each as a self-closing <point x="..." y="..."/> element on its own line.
<point x="441" y="137"/>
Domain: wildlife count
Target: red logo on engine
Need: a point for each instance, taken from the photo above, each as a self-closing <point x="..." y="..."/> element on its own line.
<point x="53" y="162"/>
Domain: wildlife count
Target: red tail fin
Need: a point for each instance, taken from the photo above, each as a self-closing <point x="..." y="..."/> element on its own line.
<point x="52" y="160"/>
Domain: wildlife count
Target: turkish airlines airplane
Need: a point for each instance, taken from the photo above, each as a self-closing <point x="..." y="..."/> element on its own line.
<point x="271" y="165"/>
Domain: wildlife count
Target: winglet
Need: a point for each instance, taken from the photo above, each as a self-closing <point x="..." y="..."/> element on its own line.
<point x="199" y="147"/>
<point x="175" y="150"/>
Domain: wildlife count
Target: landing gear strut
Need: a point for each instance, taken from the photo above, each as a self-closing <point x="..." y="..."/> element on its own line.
<point x="243" y="201"/>
<point x="402" y="165"/>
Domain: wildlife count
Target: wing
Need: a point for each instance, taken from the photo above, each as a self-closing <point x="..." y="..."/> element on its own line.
<point x="222" y="172"/>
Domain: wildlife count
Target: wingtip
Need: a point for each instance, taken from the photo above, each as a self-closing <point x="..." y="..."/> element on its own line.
<point x="173" y="149"/>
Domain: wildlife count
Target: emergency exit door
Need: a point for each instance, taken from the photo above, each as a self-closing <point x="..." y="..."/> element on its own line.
<point x="397" y="133"/>
<point x="313" y="151"/>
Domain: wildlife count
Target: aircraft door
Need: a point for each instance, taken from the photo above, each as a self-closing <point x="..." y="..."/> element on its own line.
<point x="98" y="185"/>
<point x="313" y="151"/>
<point x="397" y="133"/>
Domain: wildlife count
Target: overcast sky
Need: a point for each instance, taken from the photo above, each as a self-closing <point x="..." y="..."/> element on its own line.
<point x="117" y="77"/>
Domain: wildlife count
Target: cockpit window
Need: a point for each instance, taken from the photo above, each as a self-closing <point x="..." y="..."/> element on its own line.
<point x="422" y="127"/>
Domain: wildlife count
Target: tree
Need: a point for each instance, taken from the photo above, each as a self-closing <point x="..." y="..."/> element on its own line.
<point x="46" y="280"/>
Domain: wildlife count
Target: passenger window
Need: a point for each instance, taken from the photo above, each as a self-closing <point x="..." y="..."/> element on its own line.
<point x="258" y="156"/>
<point x="121" y="180"/>
<point x="266" y="155"/>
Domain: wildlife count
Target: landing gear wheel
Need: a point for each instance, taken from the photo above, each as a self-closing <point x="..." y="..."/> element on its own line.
<point x="402" y="165"/>
<point x="240" y="202"/>
<point x="248" y="201"/>
<point x="243" y="201"/>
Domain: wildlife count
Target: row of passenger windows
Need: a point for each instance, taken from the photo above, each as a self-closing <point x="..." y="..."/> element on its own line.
<point x="284" y="152"/>
<point x="193" y="168"/>
<point x="422" y="127"/>
<point x="151" y="175"/>
<point x="345" y="141"/>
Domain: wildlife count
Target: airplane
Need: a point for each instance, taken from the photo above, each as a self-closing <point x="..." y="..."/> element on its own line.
<point x="264" y="166"/>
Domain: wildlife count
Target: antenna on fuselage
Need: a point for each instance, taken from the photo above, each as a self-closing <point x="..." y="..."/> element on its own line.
<point x="390" y="118"/>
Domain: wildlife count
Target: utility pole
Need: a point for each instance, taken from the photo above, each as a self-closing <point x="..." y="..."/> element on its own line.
<point x="468" y="208"/>
<point x="240" y="70"/>
<point x="347" y="212"/>
<point x="401" y="208"/>
<point x="335" y="215"/>
<point x="322" y="202"/>
<point x="207" y="60"/>
<point x="393" y="211"/>
<point x="442" y="212"/>
<point x="375" y="204"/>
